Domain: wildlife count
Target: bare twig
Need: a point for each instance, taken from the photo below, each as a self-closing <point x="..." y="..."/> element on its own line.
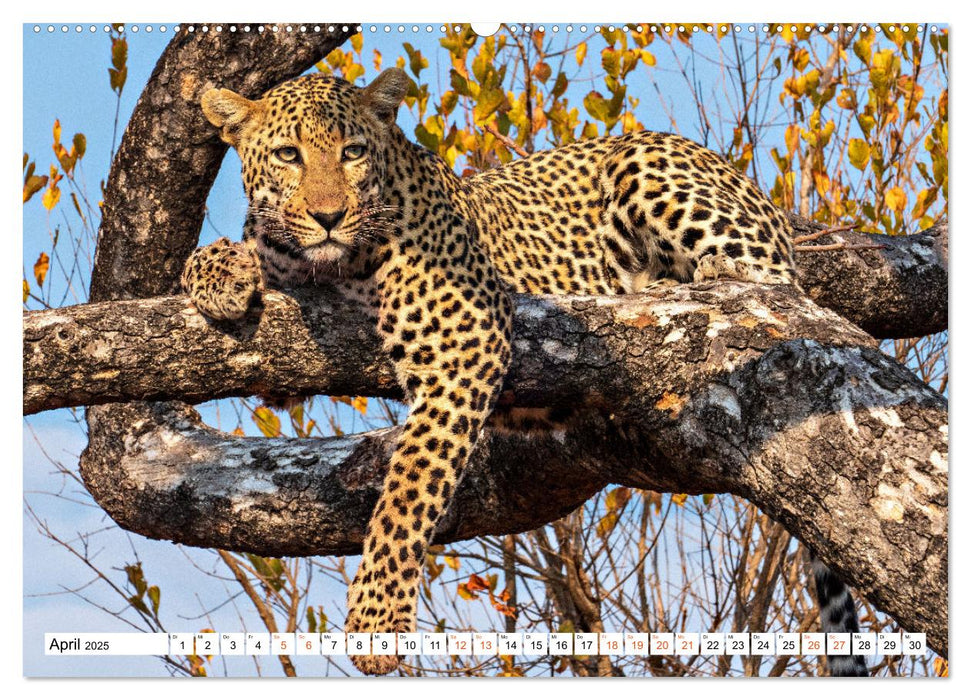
<point x="506" y="141"/>
<point x="825" y="232"/>
<point x="836" y="246"/>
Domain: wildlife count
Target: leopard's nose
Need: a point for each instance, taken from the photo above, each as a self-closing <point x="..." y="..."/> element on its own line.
<point x="328" y="220"/>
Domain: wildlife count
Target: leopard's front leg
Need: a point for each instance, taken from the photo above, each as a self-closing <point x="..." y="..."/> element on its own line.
<point x="453" y="381"/>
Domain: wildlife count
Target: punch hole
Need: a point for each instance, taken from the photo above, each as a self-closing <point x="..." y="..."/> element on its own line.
<point x="485" y="28"/>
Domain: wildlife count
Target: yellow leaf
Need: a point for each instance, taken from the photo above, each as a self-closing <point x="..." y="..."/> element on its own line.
<point x="360" y="403"/>
<point x="800" y="59"/>
<point x="51" y="197"/>
<point x="267" y="421"/>
<point x="57" y="131"/>
<point x="822" y="183"/>
<point x="581" y="53"/>
<point x="617" y="498"/>
<point x="648" y="58"/>
<point x="606" y="524"/>
<point x="40" y="268"/>
<point x="846" y="99"/>
<point x="465" y="593"/>
<point x="896" y="199"/>
<point x="357" y="41"/>
<point x="678" y="499"/>
<point x="859" y="153"/>
<point x="792" y="138"/>
<point x="453" y="563"/>
<point x="26" y="291"/>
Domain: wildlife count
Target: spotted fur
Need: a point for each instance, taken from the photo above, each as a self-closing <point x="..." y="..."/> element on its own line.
<point x="338" y="192"/>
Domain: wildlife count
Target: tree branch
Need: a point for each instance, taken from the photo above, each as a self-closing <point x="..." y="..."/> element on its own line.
<point x="891" y="286"/>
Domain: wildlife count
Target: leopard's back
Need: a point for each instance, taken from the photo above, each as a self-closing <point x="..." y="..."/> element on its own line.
<point x="613" y="215"/>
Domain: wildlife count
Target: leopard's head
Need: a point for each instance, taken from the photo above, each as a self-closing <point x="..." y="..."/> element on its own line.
<point x="315" y="153"/>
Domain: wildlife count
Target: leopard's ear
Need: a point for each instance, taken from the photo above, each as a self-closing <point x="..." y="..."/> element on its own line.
<point x="384" y="95"/>
<point x="228" y="112"/>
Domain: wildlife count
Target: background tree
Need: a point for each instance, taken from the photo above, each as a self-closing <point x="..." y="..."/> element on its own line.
<point x="713" y="562"/>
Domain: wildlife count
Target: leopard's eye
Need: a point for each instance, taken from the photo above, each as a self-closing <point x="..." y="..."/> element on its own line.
<point x="288" y="154"/>
<point x="354" y="151"/>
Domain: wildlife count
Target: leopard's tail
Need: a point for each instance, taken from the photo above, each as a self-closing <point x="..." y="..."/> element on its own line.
<point x="837" y="613"/>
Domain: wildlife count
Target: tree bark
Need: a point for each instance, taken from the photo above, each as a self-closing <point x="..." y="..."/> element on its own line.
<point x="704" y="388"/>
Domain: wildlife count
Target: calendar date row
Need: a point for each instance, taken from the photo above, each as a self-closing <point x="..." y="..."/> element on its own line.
<point x="485" y="644"/>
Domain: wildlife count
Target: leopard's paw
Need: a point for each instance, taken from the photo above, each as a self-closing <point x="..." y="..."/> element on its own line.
<point x="718" y="266"/>
<point x="375" y="665"/>
<point x="374" y="619"/>
<point x="223" y="279"/>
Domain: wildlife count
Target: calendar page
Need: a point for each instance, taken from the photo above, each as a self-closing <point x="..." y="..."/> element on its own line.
<point x="446" y="349"/>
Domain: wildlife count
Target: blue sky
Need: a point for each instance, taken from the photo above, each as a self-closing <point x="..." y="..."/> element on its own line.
<point x="65" y="77"/>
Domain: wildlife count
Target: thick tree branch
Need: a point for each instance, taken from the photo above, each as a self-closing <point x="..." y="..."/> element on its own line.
<point x="892" y="287"/>
<point x="715" y="388"/>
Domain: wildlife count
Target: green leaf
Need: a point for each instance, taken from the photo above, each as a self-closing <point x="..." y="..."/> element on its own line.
<point x="427" y="138"/>
<point x="460" y="84"/>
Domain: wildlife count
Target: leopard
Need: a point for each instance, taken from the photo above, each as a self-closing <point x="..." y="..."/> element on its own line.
<point x="339" y="195"/>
